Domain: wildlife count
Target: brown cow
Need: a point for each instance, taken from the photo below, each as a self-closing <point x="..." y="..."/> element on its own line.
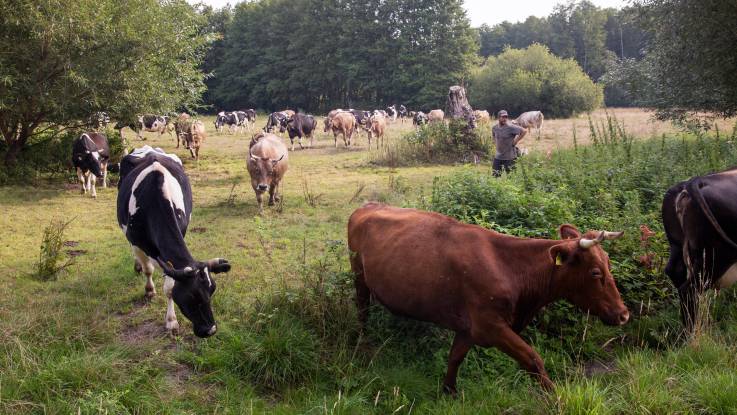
<point x="182" y="127"/>
<point x="482" y="117"/>
<point x="196" y="137"/>
<point x="330" y="117"/>
<point x="483" y="285"/>
<point x="436" y="116"/>
<point x="267" y="163"/>
<point x="288" y="113"/>
<point x="342" y="123"/>
<point x="376" y="128"/>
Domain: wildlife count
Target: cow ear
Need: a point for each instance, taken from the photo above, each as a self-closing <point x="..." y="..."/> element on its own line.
<point x="568" y="232"/>
<point x="560" y="253"/>
<point x="218" y="265"/>
<point x="179" y="275"/>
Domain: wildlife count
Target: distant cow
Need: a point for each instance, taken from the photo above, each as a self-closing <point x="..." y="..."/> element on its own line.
<point x="482" y="117"/>
<point x="275" y="120"/>
<point x="182" y="127"/>
<point x="301" y="125"/>
<point x="250" y="117"/>
<point x="402" y="112"/>
<point x="436" y="116"/>
<point x="343" y="123"/>
<point x="376" y="128"/>
<point x="483" y="285"/>
<point x="152" y="123"/>
<point x="420" y="118"/>
<point x="362" y="118"/>
<point x="235" y="121"/>
<point x="392" y="111"/>
<point x="195" y="138"/>
<point x="154" y="210"/>
<point x="90" y="156"/>
<point x="700" y="221"/>
<point x="99" y="120"/>
<point x="267" y="163"/>
<point x="531" y="119"/>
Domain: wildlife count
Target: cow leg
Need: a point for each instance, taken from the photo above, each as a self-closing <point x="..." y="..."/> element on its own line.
<point x="462" y="343"/>
<point x="148" y="269"/>
<point x="92" y="184"/>
<point x="300" y="143"/>
<point x="292" y="141"/>
<point x="260" y="200"/>
<point x="335" y="137"/>
<point x="363" y="294"/>
<point x="104" y="175"/>
<point x="512" y="344"/>
<point x="172" y="324"/>
<point x="82" y="181"/>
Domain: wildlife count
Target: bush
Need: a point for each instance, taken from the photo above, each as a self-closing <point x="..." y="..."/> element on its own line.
<point x="51" y="254"/>
<point x="49" y="155"/>
<point x="521" y="80"/>
<point x="437" y="143"/>
<point x="616" y="184"/>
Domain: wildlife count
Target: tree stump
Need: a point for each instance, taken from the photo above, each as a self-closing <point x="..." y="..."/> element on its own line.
<point x="457" y="106"/>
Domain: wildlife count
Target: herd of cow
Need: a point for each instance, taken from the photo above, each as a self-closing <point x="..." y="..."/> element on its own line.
<point x="483" y="285"/>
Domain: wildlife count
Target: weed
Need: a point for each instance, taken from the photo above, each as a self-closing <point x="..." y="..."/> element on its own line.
<point x="312" y="199"/>
<point x="50" y="257"/>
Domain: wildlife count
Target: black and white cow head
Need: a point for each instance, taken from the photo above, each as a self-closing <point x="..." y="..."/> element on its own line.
<point x="86" y="155"/>
<point x="192" y="291"/>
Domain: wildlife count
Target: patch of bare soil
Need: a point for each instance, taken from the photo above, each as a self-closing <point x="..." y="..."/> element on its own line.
<point x="198" y="230"/>
<point x="75" y="252"/>
<point x="71" y="243"/>
<point x="142" y="333"/>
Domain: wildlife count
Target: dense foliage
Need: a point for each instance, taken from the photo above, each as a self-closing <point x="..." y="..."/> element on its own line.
<point x="578" y="30"/>
<point x="322" y="54"/>
<point x="62" y="60"/>
<point x="690" y="65"/>
<point x="534" y="79"/>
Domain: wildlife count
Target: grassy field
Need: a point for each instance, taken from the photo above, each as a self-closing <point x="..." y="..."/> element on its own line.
<point x="89" y="343"/>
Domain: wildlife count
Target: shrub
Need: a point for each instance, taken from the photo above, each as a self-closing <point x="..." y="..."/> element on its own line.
<point x="437" y="143"/>
<point x="521" y="80"/>
<point x="51" y="254"/>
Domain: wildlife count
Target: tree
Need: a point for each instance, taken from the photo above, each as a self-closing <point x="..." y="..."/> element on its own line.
<point x="534" y="79"/>
<point x="691" y="62"/>
<point x="62" y="60"/>
<point x="320" y="54"/>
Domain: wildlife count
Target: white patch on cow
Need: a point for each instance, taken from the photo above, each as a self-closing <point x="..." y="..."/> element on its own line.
<point x="96" y="155"/>
<point x="171" y="316"/>
<point x="207" y="275"/>
<point x="143" y="151"/>
<point x="728" y="278"/>
<point x="170" y="189"/>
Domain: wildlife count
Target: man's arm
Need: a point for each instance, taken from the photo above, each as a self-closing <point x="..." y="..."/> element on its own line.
<point x="521" y="135"/>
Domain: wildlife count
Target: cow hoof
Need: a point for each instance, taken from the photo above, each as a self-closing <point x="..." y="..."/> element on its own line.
<point x="450" y="390"/>
<point x="173" y="327"/>
<point x="150" y="294"/>
<point x="137" y="268"/>
<point x="271" y="203"/>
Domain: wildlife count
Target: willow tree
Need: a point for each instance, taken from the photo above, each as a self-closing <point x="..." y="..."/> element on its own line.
<point x="61" y="60"/>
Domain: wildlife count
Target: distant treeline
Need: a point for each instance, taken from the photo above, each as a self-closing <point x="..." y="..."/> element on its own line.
<point x="320" y="54"/>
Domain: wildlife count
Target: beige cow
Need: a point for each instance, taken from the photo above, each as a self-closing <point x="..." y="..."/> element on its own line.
<point x="267" y="163"/>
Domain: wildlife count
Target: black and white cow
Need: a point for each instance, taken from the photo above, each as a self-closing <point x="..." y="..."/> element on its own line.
<point x="420" y="118"/>
<point x="235" y="120"/>
<point x="152" y="123"/>
<point x="276" y="120"/>
<point x="99" y="120"/>
<point x="90" y="156"/>
<point x="362" y="118"/>
<point x="403" y="113"/>
<point x="301" y="125"/>
<point x="154" y="210"/>
<point x="250" y="117"/>
<point x="392" y="111"/>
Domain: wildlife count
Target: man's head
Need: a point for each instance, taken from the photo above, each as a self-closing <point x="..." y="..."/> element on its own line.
<point x="503" y="117"/>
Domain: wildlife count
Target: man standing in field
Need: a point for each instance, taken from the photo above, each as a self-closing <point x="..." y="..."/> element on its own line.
<point x="506" y="137"/>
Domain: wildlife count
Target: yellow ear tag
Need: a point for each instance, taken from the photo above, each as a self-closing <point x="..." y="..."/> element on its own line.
<point x="558" y="260"/>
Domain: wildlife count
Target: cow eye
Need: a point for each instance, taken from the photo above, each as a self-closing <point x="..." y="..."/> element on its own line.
<point x="596" y="273"/>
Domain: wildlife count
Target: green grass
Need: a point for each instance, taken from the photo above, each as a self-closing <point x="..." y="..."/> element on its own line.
<point x="288" y="340"/>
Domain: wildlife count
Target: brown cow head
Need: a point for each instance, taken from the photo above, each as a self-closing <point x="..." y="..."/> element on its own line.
<point x="583" y="273"/>
<point x="263" y="171"/>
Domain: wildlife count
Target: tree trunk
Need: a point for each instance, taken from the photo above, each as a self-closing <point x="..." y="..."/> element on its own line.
<point x="457" y="106"/>
<point x="16" y="141"/>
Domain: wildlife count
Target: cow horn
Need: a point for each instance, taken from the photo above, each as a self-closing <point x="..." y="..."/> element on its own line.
<point x="588" y="243"/>
<point x="252" y="156"/>
<point x="609" y="236"/>
<point x="278" y="160"/>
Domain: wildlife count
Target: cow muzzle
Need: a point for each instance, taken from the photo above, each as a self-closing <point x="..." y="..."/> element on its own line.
<point x="262" y="187"/>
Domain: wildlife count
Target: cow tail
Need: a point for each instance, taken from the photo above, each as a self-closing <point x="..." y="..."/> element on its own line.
<point x="694" y="190"/>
